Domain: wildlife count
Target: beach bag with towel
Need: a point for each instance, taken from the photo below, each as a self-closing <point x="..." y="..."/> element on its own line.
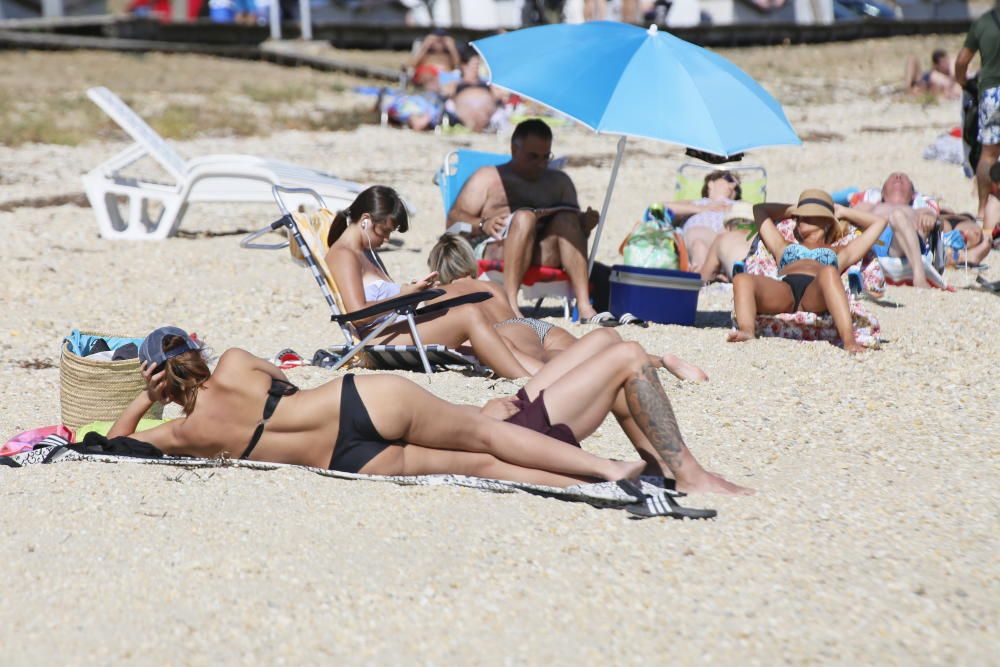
<point x="653" y="242"/>
<point x="95" y="389"/>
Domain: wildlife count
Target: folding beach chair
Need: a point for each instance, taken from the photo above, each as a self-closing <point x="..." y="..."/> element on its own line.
<point x="308" y="249"/>
<point x="691" y="178"/>
<point x="540" y="282"/>
<point x="213" y="178"/>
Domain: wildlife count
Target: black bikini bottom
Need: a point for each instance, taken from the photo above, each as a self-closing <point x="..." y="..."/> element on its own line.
<point x="357" y="441"/>
<point x="797" y="282"/>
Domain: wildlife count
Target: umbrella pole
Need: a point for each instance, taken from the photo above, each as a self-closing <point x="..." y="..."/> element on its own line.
<point x="607" y="202"/>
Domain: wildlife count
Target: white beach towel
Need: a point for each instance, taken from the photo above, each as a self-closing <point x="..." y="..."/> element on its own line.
<point x="634" y="498"/>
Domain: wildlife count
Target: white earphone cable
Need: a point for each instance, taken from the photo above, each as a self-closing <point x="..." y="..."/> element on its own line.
<point x="376" y="260"/>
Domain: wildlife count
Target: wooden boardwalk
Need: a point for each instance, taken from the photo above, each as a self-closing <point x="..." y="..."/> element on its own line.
<point x="127" y="34"/>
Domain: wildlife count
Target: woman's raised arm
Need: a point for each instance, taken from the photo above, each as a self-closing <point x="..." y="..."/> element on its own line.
<point x="764" y="215"/>
<point x="163" y="436"/>
<point x="860" y="219"/>
<point x="873" y="226"/>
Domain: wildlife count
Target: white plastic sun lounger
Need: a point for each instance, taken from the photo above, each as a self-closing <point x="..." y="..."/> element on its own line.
<point x="213" y="178"/>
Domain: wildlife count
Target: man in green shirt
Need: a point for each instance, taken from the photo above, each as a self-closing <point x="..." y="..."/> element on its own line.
<point x="984" y="38"/>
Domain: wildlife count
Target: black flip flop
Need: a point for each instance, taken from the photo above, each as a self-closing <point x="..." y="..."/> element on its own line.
<point x="993" y="287"/>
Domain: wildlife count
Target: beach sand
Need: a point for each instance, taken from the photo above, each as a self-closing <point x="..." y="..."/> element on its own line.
<point x="873" y="538"/>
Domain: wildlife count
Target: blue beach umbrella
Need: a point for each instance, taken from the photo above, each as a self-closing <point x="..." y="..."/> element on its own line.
<point x="619" y="79"/>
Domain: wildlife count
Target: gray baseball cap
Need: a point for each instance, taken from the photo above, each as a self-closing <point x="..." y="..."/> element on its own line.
<point x="151" y="351"/>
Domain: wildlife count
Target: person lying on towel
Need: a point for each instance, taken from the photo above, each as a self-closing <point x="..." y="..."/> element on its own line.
<point x="964" y="240"/>
<point x="248" y="409"/>
<point x="377" y="424"/>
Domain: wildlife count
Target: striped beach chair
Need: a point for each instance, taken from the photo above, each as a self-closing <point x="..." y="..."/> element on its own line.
<point x="306" y="248"/>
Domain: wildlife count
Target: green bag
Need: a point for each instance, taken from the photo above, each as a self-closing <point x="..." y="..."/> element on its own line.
<point x="652" y="244"/>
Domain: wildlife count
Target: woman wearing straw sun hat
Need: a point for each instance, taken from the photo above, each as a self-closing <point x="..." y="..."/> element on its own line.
<point x="809" y="269"/>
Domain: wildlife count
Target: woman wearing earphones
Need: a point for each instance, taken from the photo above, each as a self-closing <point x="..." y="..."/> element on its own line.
<point x="356" y="233"/>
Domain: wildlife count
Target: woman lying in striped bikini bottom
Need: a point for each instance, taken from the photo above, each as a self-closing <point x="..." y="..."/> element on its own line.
<point x="533" y="342"/>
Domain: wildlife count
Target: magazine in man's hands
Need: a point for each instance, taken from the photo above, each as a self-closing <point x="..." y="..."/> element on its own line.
<point x="541" y="213"/>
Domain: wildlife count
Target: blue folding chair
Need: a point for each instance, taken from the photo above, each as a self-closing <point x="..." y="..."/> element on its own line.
<point x="458" y="166"/>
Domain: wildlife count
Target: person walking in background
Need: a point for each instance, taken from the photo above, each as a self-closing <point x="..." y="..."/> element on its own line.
<point x="984" y="38"/>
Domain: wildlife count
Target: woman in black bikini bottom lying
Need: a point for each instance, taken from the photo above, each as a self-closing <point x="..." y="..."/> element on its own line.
<point x="247" y="408"/>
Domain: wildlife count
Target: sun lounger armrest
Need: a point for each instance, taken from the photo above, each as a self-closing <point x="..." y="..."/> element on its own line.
<point x="440" y="306"/>
<point x="400" y="304"/>
<point x="249" y="241"/>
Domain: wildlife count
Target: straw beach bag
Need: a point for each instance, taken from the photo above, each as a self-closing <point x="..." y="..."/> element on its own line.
<point x="92" y="390"/>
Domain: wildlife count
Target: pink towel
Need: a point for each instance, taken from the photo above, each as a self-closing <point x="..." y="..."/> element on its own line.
<point x="23" y="442"/>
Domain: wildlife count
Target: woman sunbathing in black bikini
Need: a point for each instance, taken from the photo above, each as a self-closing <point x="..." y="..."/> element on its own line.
<point x="387" y="437"/>
<point x="809" y="270"/>
<point x="374" y="424"/>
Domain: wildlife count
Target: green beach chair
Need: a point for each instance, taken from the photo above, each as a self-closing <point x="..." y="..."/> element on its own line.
<point x="691" y="178"/>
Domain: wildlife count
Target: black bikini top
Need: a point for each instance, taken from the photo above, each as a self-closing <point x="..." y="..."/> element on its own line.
<point x="278" y="389"/>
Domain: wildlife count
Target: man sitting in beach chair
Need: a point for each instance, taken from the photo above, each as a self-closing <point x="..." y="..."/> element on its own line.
<point x="908" y="212"/>
<point x="525" y="213"/>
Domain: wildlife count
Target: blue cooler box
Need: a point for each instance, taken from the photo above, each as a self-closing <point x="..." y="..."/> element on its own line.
<point x="655" y="295"/>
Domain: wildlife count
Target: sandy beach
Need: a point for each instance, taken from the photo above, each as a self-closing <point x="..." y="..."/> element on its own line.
<point x="873" y="538"/>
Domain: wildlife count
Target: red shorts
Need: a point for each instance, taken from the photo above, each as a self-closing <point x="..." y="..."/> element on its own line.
<point x="533" y="415"/>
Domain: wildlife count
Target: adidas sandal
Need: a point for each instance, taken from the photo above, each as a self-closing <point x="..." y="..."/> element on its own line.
<point x="629" y="318"/>
<point x="666" y="506"/>
<point x="667" y="485"/>
<point x="604" y="319"/>
<point x="632" y="489"/>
